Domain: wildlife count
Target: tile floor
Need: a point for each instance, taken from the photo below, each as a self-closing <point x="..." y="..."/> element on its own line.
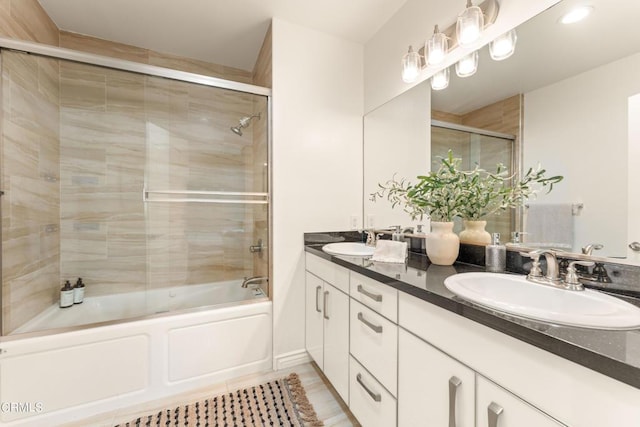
<point x="329" y="407"/>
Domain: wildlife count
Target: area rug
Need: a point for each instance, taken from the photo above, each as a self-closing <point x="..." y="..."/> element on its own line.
<point x="281" y="402"/>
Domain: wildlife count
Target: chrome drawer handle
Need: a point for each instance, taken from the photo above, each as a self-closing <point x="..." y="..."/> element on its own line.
<point x="318" y="308"/>
<point x="375" y="396"/>
<point x="326" y="305"/>
<point x="375" y="297"/>
<point x="376" y="328"/>
<point x="494" y="410"/>
<point x="454" y="383"/>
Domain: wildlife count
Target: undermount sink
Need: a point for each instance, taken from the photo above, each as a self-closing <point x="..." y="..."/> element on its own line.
<point x="348" y="249"/>
<point x="517" y="296"/>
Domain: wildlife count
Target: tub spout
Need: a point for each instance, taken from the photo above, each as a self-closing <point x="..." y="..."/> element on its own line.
<point x="254" y="280"/>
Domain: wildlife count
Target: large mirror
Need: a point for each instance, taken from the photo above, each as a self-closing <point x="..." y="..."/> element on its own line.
<point x="576" y="91"/>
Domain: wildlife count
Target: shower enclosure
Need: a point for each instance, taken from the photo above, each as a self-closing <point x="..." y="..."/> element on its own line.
<point x="152" y="185"/>
<point x="476" y="147"/>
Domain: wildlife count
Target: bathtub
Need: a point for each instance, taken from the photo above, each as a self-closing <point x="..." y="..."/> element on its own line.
<point x="125" y="306"/>
<point x="76" y="373"/>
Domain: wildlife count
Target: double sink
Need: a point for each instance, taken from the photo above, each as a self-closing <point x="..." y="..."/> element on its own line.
<point x="517" y="296"/>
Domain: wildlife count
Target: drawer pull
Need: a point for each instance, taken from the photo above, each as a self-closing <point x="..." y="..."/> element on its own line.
<point x="376" y="328"/>
<point x="454" y="383"/>
<point x="326" y="305"/>
<point x="317" y="307"/>
<point x="375" y="396"/>
<point x="494" y="410"/>
<point x="375" y="297"/>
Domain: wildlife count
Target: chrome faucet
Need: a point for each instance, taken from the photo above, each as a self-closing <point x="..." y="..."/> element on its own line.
<point x="553" y="269"/>
<point x="254" y="280"/>
<point x="588" y="250"/>
<point x="372" y="237"/>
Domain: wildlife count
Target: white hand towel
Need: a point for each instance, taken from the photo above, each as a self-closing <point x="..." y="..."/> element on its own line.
<point x="550" y="225"/>
<point x="390" y="251"/>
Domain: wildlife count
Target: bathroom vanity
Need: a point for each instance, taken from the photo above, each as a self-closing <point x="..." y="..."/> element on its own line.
<point x="402" y="350"/>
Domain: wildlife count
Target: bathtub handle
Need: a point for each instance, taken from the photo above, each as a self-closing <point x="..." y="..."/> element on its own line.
<point x="326" y="305"/>
<point x="318" y="308"/>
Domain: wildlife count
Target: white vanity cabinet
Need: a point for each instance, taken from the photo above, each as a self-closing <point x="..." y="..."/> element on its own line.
<point x="433" y="388"/>
<point x="496" y="407"/>
<point x="327" y="320"/>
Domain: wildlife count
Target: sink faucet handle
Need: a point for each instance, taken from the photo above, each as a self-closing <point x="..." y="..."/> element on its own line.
<point x="571" y="279"/>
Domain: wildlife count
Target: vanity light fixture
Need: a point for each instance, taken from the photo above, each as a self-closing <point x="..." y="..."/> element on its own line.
<point x="469" y="25"/>
<point x="468" y="65"/>
<point x="410" y="66"/>
<point x="576" y="14"/>
<point x="503" y="46"/>
<point x="440" y="80"/>
<point x="436" y="47"/>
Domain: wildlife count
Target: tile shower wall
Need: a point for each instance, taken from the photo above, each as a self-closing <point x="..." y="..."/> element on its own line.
<point x="122" y="132"/>
<point x="30" y="180"/>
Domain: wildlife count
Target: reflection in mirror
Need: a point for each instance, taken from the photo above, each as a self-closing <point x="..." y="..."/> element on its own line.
<point x="567" y="94"/>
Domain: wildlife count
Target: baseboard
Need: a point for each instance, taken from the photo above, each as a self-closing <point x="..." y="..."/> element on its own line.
<point x="293" y="358"/>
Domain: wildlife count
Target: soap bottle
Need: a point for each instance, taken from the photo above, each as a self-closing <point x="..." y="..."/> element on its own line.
<point x="397" y="234"/>
<point x="496" y="255"/>
<point x="78" y="292"/>
<point x="66" y="295"/>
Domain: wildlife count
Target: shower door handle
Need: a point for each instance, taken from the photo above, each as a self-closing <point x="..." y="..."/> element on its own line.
<point x="256" y="248"/>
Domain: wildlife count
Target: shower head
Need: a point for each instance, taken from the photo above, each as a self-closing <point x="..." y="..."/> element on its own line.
<point x="243" y="123"/>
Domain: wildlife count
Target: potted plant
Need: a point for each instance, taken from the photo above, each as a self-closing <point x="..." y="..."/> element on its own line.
<point x="450" y="192"/>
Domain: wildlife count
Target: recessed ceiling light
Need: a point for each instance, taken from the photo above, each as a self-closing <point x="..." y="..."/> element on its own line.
<point x="576" y="14"/>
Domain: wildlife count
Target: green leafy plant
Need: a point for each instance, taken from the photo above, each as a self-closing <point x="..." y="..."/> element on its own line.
<point x="472" y="195"/>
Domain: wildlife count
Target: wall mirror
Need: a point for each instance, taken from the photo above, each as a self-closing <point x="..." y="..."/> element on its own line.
<point x="576" y="88"/>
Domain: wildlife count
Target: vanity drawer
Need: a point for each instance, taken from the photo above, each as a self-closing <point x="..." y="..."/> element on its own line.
<point x="328" y="271"/>
<point x="375" y="295"/>
<point x="369" y="402"/>
<point x="374" y="343"/>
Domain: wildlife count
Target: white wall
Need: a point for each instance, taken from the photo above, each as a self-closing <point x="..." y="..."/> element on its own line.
<point x="578" y="128"/>
<point x="633" y="193"/>
<point x="398" y="136"/>
<point x="317" y="159"/>
<point x="413" y="24"/>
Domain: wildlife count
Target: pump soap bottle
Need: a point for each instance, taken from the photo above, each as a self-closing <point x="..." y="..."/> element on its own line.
<point x="66" y="295"/>
<point x="496" y="255"/>
<point x="78" y="292"/>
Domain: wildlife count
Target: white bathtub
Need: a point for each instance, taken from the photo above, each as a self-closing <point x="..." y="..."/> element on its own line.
<point x="55" y="378"/>
<point x="106" y="308"/>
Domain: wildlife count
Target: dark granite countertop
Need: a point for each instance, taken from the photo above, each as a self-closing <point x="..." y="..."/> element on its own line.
<point x="612" y="353"/>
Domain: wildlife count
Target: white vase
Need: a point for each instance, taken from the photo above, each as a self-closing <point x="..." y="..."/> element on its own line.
<point x="475" y="233"/>
<point x="442" y="244"/>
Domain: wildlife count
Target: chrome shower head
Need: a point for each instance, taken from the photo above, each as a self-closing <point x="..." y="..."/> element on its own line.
<point x="243" y="123"/>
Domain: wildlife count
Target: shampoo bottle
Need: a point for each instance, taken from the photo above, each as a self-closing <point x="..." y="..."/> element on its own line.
<point x="78" y="292"/>
<point x="66" y="295"/>
<point x="496" y="255"/>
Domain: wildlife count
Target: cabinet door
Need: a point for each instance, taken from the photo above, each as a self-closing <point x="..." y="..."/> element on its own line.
<point x="336" y="339"/>
<point x="433" y="389"/>
<point x="498" y="408"/>
<point x="313" y="315"/>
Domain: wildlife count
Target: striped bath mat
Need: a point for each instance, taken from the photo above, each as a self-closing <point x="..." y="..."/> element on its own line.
<point x="281" y="402"/>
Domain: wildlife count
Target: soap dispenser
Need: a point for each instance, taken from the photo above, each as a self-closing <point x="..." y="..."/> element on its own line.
<point x="78" y="292"/>
<point x="397" y="234"/>
<point x="496" y="255"/>
<point x="66" y="295"/>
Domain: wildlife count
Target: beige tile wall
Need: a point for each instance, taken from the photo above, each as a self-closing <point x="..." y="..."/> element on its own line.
<point x="30" y="179"/>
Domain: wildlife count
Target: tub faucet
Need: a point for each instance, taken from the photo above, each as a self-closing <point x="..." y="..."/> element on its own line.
<point x="254" y="280"/>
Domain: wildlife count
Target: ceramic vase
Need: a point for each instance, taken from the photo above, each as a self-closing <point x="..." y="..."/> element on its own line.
<point x="442" y="244"/>
<point x="474" y="233"/>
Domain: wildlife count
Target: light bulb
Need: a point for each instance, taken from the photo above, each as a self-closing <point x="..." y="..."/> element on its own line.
<point x="468" y="65"/>
<point x="469" y="25"/>
<point x="410" y="66"/>
<point x="577" y="14"/>
<point x="503" y="46"/>
<point x="440" y="80"/>
<point x="436" y="47"/>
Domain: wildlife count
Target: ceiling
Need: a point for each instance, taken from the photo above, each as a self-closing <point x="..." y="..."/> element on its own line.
<point x="226" y="32"/>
